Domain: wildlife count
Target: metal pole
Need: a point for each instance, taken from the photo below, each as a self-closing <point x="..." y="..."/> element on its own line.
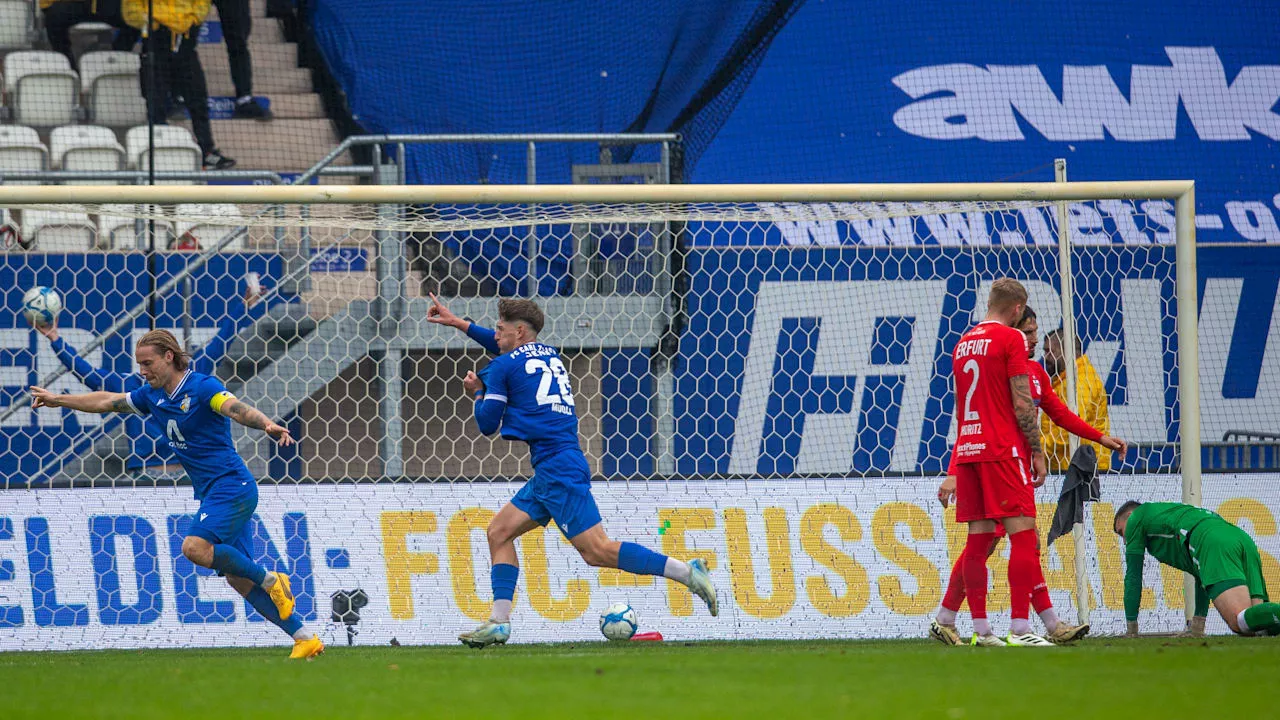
<point x="152" y="99"/>
<point x="388" y="310"/>
<point x="1084" y="597"/>
<point x="532" y="250"/>
<point x="1188" y="361"/>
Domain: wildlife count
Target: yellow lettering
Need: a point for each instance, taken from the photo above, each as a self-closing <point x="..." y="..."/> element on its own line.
<point x="537" y="579"/>
<point x="1263" y="524"/>
<point x="812" y="524"/>
<point x="462" y="562"/>
<point x="402" y="564"/>
<point x="1174" y="592"/>
<point x="742" y="573"/>
<point x="676" y="522"/>
<point x="929" y="588"/>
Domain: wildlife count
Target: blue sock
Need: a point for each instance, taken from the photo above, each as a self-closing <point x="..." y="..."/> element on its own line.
<point x="502" y="577"/>
<point x="261" y="602"/>
<point x="640" y="560"/>
<point x="230" y="561"/>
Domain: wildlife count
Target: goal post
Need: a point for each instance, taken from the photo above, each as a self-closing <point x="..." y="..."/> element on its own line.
<point x="761" y="372"/>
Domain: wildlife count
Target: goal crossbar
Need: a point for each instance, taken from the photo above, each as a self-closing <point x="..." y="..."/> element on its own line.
<point x="537" y="194"/>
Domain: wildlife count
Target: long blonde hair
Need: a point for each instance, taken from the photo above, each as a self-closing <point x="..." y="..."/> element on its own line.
<point x="164" y="341"/>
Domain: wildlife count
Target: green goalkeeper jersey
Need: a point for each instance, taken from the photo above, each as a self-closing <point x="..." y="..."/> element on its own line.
<point x="1161" y="529"/>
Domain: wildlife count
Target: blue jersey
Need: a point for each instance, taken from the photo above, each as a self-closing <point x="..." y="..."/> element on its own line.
<point x="528" y="391"/>
<point x="198" y="434"/>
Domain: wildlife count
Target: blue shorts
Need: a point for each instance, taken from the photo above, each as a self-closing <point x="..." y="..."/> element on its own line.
<point x="560" y="490"/>
<point x="224" y="514"/>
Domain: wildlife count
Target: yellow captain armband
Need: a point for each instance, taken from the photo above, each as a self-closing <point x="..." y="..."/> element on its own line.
<point x="217" y="401"/>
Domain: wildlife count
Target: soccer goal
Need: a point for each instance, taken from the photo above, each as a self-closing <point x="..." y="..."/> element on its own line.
<point x="761" y="376"/>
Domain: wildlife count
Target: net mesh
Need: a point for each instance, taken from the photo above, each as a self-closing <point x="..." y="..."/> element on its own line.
<point x="765" y="385"/>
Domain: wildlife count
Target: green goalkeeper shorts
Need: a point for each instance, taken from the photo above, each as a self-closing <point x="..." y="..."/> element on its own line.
<point x="1226" y="557"/>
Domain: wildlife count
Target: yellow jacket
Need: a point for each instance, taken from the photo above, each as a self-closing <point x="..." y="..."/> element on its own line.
<point x="177" y="15"/>
<point x="1092" y="408"/>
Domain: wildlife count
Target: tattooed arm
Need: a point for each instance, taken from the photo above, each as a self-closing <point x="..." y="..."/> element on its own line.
<point x="252" y="418"/>
<point x="1024" y="409"/>
<point x="94" y="402"/>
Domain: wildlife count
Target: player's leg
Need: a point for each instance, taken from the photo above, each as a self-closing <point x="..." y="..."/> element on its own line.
<point x="943" y="628"/>
<point x="211" y="540"/>
<point x="516" y="518"/>
<point x="971" y="509"/>
<point x="504" y="565"/>
<point x="1232" y="568"/>
<point x="306" y="644"/>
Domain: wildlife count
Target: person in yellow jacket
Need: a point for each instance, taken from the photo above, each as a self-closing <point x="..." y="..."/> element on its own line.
<point x="176" y="30"/>
<point x="1091" y="406"/>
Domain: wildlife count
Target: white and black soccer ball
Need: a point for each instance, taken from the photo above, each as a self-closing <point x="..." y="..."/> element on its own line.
<point x="618" y="622"/>
<point x="41" y="305"/>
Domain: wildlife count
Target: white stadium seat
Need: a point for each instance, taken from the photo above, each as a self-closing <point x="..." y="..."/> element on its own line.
<point x="175" y="150"/>
<point x="58" y="230"/>
<point x="15" y="24"/>
<point x="209" y="234"/>
<point x="21" y="149"/>
<point x="113" y="94"/>
<point x="86" y="148"/>
<point x="117" y="229"/>
<point x="41" y="88"/>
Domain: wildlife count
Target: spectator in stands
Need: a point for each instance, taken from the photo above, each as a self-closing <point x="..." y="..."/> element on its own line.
<point x="175" y="34"/>
<point x="61" y="15"/>
<point x="1092" y="406"/>
<point x="237" y="22"/>
<point x="151" y="453"/>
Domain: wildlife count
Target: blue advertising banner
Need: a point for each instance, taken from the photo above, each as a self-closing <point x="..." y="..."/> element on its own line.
<point x="837" y="360"/>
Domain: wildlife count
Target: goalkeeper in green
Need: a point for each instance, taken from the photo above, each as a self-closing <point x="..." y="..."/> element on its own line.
<point x="1220" y="556"/>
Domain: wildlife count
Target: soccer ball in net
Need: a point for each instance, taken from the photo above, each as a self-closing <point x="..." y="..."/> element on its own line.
<point x="41" y="305"/>
<point x="618" y="622"/>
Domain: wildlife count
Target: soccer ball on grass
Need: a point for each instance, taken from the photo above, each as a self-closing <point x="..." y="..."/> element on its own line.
<point x="618" y="622"/>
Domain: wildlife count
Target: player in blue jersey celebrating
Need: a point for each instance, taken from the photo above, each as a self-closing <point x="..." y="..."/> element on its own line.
<point x="196" y="412"/>
<point x="525" y="391"/>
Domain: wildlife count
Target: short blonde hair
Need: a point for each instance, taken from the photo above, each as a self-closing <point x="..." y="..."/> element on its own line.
<point x="1006" y="293"/>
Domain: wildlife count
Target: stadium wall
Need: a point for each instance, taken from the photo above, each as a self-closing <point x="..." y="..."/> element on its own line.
<point x="807" y="558"/>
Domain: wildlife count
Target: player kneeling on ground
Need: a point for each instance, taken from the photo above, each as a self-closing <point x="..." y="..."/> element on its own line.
<point x="1220" y="556"/>
<point x="196" y="412"/>
<point x="525" y="391"/>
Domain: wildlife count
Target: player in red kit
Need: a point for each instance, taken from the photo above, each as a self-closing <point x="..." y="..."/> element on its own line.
<point x="998" y="460"/>
<point x="943" y="628"/>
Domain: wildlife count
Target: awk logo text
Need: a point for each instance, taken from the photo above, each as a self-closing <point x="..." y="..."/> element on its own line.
<point x="960" y="101"/>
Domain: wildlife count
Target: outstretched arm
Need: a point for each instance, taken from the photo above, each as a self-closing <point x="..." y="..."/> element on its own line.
<point x="94" y="402"/>
<point x="441" y="315"/>
<point x="228" y="405"/>
<point x="93" y="378"/>
<point x="1062" y="416"/>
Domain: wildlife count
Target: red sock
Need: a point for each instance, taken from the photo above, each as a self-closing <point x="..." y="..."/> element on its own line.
<point x="1040" y="597"/>
<point x="974" y="560"/>
<point x="1024" y="572"/>
<point x="953" y="598"/>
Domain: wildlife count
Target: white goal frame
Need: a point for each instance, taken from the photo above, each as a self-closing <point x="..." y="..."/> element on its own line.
<point x="1181" y="192"/>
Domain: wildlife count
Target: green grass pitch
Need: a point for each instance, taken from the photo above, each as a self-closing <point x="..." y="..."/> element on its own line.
<point x="1099" y="678"/>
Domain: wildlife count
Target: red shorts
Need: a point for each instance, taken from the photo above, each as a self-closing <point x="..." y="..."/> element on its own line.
<point x="994" y="490"/>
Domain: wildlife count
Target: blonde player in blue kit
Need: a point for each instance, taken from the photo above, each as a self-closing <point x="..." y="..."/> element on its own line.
<point x="525" y="391"/>
<point x="196" y="412"/>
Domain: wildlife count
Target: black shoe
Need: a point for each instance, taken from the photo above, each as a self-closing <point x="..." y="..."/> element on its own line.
<point x="251" y="110"/>
<point x="215" y="160"/>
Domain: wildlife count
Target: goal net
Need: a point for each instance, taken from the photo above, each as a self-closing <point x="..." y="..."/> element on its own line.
<point x="761" y="380"/>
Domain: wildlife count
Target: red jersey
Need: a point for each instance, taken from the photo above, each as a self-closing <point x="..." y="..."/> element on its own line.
<point x="1043" y="396"/>
<point x="983" y="362"/>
